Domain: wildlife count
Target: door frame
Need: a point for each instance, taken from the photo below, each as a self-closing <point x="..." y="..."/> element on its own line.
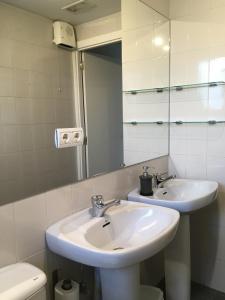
<point x="80" y="104"/>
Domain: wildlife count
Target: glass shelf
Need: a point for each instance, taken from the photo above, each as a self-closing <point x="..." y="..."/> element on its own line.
<point x="176" y="88"/>
<point x="145" y="91"/>
<point x="143" y="123"/>
<point x="210" y="122"/>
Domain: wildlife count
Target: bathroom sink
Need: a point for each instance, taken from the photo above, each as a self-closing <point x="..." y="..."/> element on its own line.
<point x="186" y="196"/>
<point x="126" y="235"/>
<point x="183" y="195"/>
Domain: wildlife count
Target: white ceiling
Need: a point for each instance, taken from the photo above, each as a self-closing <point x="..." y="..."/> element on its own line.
<point x="52" y="9"/>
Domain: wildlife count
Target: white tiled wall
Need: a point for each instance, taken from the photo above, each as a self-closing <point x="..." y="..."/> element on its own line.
<point x="23" y="223"/>
<point x="143" y="61"/>
<point x="198" y="151"/>
<point x="145" y="66"/>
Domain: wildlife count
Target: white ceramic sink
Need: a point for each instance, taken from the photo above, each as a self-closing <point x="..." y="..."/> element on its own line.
<point x="183" y="195"/>
<point x="129" y="233"/>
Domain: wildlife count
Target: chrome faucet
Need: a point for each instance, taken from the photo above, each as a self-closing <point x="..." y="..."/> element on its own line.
<point x="99" y="207"/>
<point x="159" y="180"/>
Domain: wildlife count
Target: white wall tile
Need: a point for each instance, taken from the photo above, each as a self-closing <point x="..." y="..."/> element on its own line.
<point x="7" y="235"/>
<point x="30" y="222"/>
<point x="195" y="167"/>
<point x="6" y="82"/>
<point x="137" y="44"/>
<point x="177" y="165"/>
<point x="23" y="55"/>
<point x="217" y="64"/>
<point x="216" y="169"/>
<point x="198" y="133"/>
<point x="178" y="146"/>
<point x="39" y="260"/>
<point x="190" y="111"/>
<point x="59" y="203"/>
<point x="189" y="36"/>
<point x="190" y="67"/>
<point x="81" y="194"/>
<point x="107" y="186"/>
<point x="7" y="110"/>
<point x="5" y="53"/>
<point x="196" y="147"/>
<point x="20" y="83"/>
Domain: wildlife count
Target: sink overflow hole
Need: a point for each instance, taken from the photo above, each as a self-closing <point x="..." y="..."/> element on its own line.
<point x="118" y="248"/>
<point x="105" y="224"/>
<point x="164" y="193"/>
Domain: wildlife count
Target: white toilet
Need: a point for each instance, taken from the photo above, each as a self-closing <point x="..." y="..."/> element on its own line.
<point x="22" y="281"/>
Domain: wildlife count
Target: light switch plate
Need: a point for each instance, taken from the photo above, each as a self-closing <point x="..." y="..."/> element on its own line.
<point x="69" y="137"/>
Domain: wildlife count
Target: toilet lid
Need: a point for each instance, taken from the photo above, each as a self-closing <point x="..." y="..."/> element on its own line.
<point x="20" y="281"/>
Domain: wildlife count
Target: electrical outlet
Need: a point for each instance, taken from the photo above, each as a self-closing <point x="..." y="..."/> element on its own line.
<point x="69" y="137"/>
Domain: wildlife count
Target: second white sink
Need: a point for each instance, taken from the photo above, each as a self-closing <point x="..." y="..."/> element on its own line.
<point x="184" y="195"/>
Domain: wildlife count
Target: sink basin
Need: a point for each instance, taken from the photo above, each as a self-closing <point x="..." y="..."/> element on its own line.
<point x="183" y="195"/>
<point x="129" y="233"/>
<point x="115" y="243"/>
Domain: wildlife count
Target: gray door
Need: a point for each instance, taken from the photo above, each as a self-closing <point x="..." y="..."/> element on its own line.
<point x="102" y="80"/>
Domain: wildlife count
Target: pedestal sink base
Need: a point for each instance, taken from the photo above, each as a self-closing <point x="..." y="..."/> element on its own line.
<point x="177" y="263"/>
<point x="123" y="283"/>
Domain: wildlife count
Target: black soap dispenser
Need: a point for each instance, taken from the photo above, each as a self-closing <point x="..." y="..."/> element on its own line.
<point x="146" y="183"/>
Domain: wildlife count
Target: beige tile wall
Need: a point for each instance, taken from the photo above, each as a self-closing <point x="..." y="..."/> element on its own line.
<point x="23" y="223"/>
<point x="36" y="96"/>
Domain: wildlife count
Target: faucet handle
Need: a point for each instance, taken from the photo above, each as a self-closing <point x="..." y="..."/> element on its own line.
<point x="97" y="200"/>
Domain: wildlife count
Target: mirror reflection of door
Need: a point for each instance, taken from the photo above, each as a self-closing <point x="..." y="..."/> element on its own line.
<point x="102" y="84"/>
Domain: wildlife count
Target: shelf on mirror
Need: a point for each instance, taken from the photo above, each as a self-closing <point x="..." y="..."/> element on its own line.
<point x="209" y="122"/>
<point x="143" y="123"/>
<point x="176" y="88"/>
<point x="197" y="85"/>
<point x="145" y="91"/>
<point x="179" y="122"/>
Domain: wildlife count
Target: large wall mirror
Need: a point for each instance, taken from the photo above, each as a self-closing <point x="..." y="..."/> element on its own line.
<point x="124" y="99"/>
<point x="126" y="93"/>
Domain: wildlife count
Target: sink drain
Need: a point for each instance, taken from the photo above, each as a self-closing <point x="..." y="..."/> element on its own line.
<point x="118" y="248"/>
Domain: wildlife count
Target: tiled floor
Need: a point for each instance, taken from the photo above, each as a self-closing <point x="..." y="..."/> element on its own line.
<point x="199" y="292"/>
